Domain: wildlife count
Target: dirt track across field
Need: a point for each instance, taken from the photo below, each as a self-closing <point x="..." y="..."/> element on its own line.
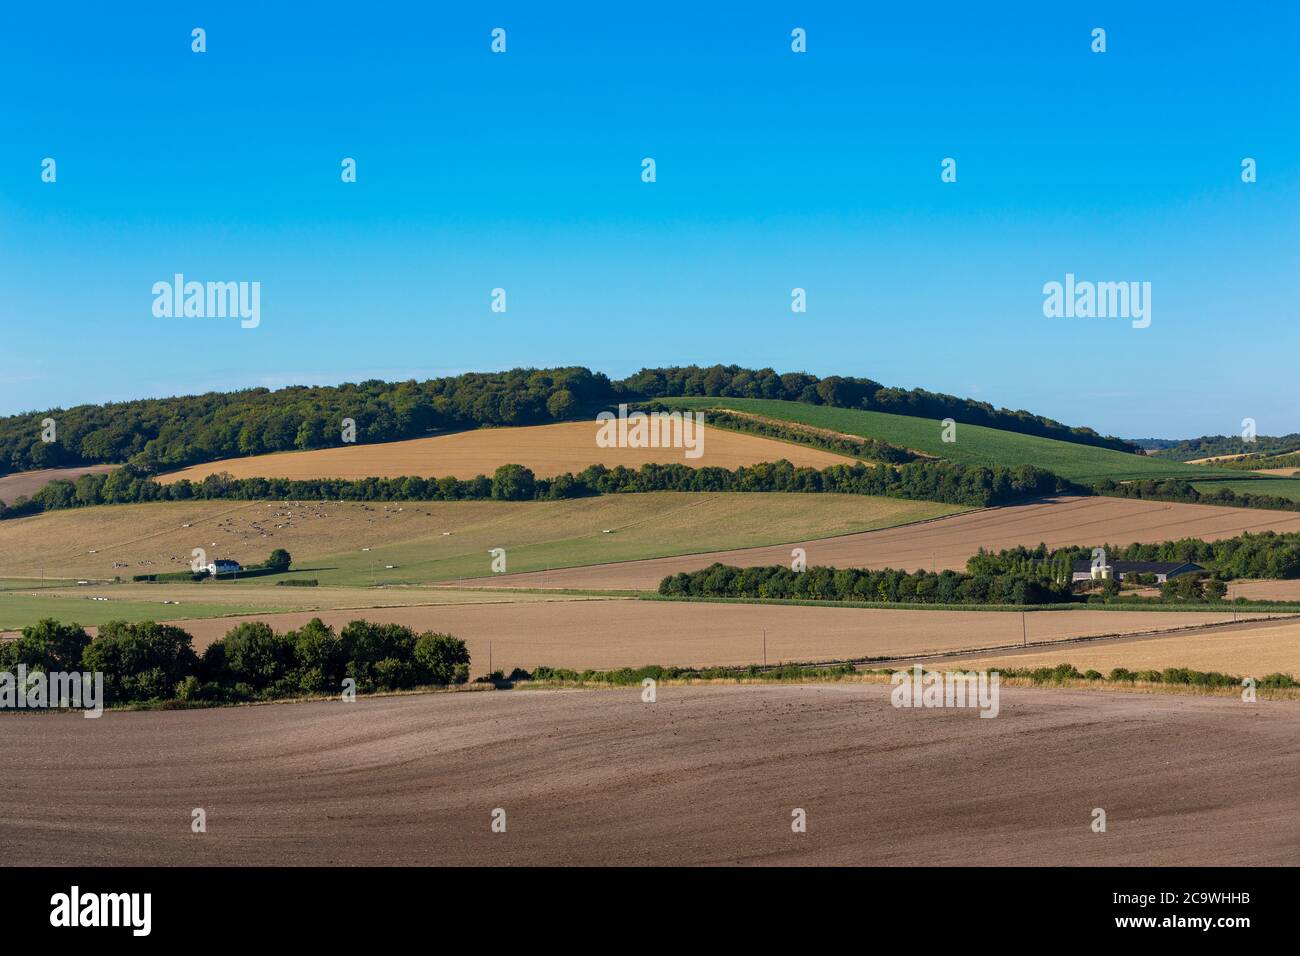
<point x="621" y="633"/>
<point x="706" y="775"/>
<point x="948" y="542"/>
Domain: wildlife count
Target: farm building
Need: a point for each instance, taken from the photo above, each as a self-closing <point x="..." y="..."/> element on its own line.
<point x="222" y="566"/>
<point x="1085" y="570"/>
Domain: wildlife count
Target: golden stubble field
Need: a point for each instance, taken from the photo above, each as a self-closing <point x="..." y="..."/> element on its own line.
<point x="548" y="450"/>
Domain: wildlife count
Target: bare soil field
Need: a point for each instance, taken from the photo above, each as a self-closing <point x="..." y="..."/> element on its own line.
<point x="548" y="450"/>
<point x="706" y="775"/>
<point x="1247" y="650"/>
<point x="949" y="542"/>
<point x="354" y="543"/>
<point x="24" y="484"/>
<point x="609" y="634"/>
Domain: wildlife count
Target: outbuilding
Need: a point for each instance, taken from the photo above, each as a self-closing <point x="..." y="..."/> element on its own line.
<point x="1086" y="570"/>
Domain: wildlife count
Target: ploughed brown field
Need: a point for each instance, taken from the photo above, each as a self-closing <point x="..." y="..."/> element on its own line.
<point x="705" y="775"/>
<point x="604" y="635"/>
<point x="548" y="450"/>
<point x="947" y="543"/>
<point x="24" y="484"/>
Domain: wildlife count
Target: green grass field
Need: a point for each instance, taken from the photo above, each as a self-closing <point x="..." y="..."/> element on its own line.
<point x="20" y="610"/>
<point x="975" y="445"/>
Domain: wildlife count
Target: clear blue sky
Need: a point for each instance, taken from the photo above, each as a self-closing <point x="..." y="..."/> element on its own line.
<point x="775" y="170"/>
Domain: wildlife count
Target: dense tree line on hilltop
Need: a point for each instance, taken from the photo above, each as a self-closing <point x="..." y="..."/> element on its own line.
<point x="160" y="434"/>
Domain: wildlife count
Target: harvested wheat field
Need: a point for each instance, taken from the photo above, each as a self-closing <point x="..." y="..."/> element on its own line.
<point x="1247" y="650"/>
<point x="948" y="543"/>
<point x="1265" y="590"/>
<point x="706" y="775"/>
<point x="548" y="450"/>
<point x="354" y="543"/>
<point x="611" y="634"/>
<point x="24" y="484"/>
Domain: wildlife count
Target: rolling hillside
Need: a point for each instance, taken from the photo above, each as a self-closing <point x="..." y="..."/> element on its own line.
<point x="359" y="543"/>
<point x="975" y="444"/>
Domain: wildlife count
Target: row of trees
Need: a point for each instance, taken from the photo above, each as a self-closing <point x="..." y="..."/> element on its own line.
<point x="1266" y="554"/>
<point x="870" y="449"/>
<point x="919" y="480"/>
<point x="156" y="662"/>
<point x="161" y="434"/>
<point x="886" y="585"/>
<point x="1026" y="585"/>
<point x="1176" y="489"/>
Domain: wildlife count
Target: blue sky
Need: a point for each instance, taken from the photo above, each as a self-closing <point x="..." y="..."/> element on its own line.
<point x="775" y="170"/>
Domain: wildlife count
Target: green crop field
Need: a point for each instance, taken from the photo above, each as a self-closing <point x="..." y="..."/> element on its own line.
<point x="975" y="445"/>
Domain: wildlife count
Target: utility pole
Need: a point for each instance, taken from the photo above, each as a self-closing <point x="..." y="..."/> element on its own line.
<point x="1024" y="632"/>
<point x="765" y="648"/>
<point x="489" y="656"/>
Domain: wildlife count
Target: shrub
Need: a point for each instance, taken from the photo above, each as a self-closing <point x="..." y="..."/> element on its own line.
<point x="513" y="483"/>
<point x="444" y="658"/>
<point x="279" y="561"/>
